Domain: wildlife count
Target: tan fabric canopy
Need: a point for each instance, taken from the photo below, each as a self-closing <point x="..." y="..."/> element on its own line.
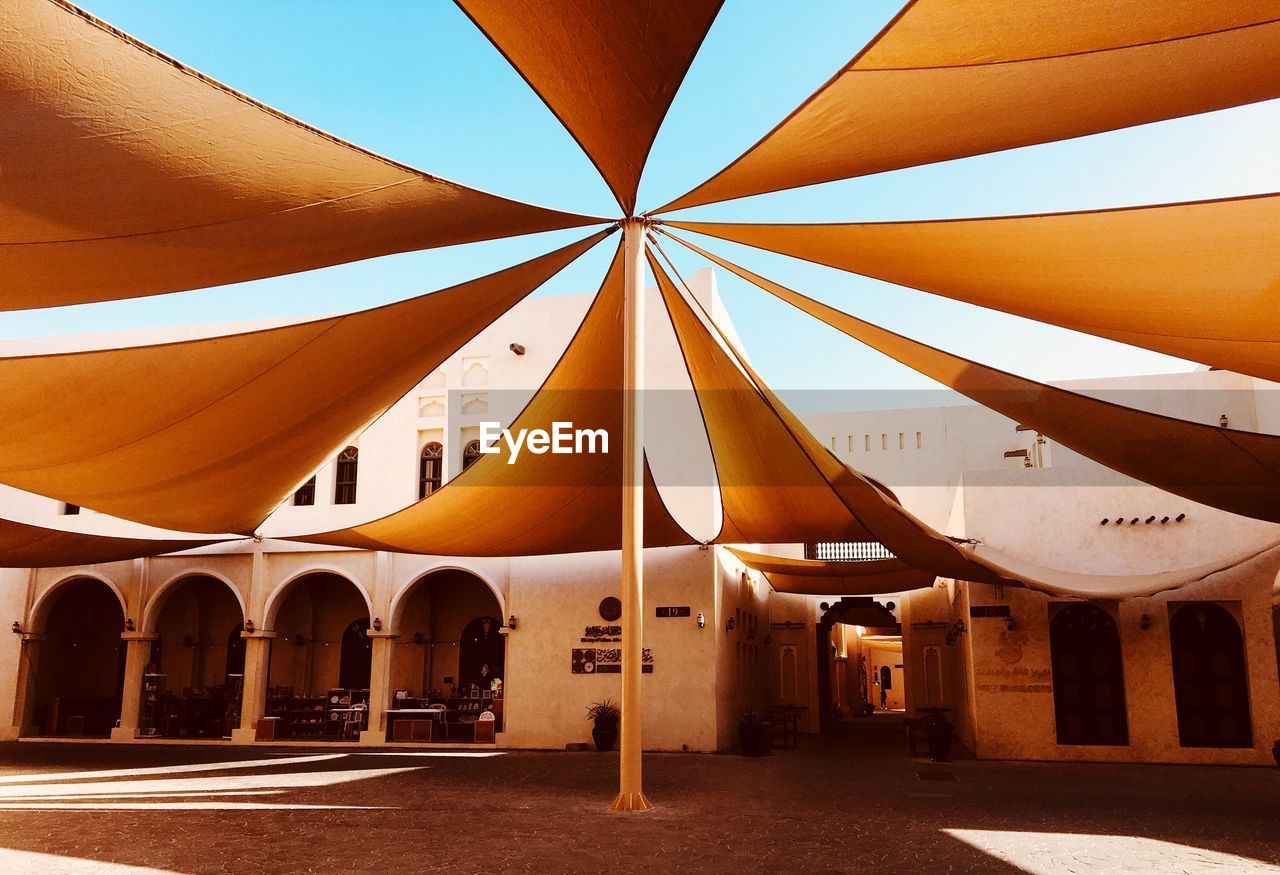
<point x="718" y="370"/>
<point x="126" y="173"/>
<point x="210" y="435"/>
<point x="1200" y="281"/>
<point x="549" y="503"/>
<point x="1237" y="471"/>
<point x="23" y="545"/>
<point x="608" y="69"/>
<point x="951" y="78"/>
<point x="816" y="577"/>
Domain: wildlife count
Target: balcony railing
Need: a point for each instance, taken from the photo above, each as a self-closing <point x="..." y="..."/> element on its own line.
<point x="847" y="551"/>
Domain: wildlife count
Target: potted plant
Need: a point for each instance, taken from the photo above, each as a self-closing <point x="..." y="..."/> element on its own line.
<point x="939" y="732"/>
<point x="755" y="735"/>
<point x="606" y="716"/>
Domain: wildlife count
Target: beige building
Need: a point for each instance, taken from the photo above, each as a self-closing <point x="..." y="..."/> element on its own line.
<point x="330" y="643"/>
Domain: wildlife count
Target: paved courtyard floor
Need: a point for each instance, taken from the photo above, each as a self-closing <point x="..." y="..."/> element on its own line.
<point x="850" y="802"/>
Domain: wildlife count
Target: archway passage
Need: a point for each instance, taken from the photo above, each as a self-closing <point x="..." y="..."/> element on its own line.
<point x="1088" y="677"/>
<point x="449" y="657"/>
<point x="193" y="685"/>
<point x="80" y="673"/>
<point x="1209" y="680"/>
<point x="859" y="650"/>
<point x="318" y="682"/>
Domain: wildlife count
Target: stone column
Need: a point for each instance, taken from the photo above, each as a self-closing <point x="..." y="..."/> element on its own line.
<point x="253" y="701"/>
<point x="137" y="655"/>
<point x="379" y="687"/>
<point x="24" y="708"/>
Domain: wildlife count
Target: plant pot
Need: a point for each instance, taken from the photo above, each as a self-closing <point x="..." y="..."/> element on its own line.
<point x="755" y="739"/>
<point x="605" y="735"/>
<point x="938" y="733"/>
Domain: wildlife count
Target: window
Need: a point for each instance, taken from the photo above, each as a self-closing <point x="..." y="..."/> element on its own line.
<point x="1088" y="677"/>
<point x="429" y="469"/>
<point x="919" y="440"/>
<point x="306" y="494"/>
<point x="846" y="551"/>
<point x="344" y="488"/>
<point x="70" y="509"/>
<point x="867" y="448"/>
<point x="902" y="445"/>
<point x="470" y="454"/>
<point x="851" y="443"/>
<point x="884" y="441"/>
<point x="1210" y="677"/>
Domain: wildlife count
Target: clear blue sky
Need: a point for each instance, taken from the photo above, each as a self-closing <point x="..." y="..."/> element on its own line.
<point x="414" y="80"/>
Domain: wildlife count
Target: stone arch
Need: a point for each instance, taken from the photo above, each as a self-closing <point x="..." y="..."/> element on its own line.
<point x="156" y="602"/>
<point x="40" y="609"/>
<point x="271" y="607"/>
<point x="396" y="610"/>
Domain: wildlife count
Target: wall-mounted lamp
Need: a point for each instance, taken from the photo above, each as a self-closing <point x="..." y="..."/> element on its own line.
<point x="730" y="624"/>
<point x="517" y="348"/>
<point x="1010" y="624"/>
<point x="248" y="626"/>
<point x="1223" y="421"/>
<point x="1144" y="622"/>
<point x="17" y="627"/>
<point x="129" y="625"/>
<point x="702" y="621"/>
<point x="513" y="622"/>
<point x="377" y="624"/>
<point x="957" y="629"/>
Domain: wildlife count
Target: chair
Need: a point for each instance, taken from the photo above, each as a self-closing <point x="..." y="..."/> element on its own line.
<point x="354" y="722"/>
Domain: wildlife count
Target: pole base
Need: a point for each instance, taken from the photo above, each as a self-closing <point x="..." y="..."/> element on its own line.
<point x="630" y="802"/>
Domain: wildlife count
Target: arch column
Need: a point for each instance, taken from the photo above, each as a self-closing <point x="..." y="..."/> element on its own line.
<point x="253" y="700"/>
<point x="137" y="655"/>
<point x="379" y="687"/>
<point x="24" y="708"/>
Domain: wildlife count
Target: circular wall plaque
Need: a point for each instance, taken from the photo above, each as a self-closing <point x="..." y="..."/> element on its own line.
<point x="610" y="609"/>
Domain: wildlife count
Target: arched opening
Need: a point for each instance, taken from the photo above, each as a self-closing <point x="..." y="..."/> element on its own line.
<point x="318" y="680"/>
<point x="81" y="669"/>
<point x="449" y="659"/>
<point x="1209" y="680"/>
<point x="470" y="454"/>
<point x="859" y="661"/>
<point x="1088" y="677"/>
<point x="189" y="689"/>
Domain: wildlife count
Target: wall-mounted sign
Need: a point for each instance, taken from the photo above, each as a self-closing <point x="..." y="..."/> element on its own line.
<point x="678" y="611"/>
<point x="988" y="610"/>
<point x="610" y="609"/>
<point x="608" y="634"/>
<point x="604" y="660"/>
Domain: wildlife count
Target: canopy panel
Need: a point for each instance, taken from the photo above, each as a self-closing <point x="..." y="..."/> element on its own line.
<point x="127" y="174"/>
<point x="608" y="69"/>
<point x="1200" y="281"/>
<point x="23" y="545"/>
<point x="1230" y="469"/>
<point x="952" y="78"/>
<point x="816" y="577"/>
<point x="885" y="520"/>
<point x="538" y="504"/>
<point x="210" y="435"/>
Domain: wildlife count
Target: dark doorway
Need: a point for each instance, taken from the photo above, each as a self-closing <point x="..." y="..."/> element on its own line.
<point x="1088" y="677"/>
<point x="81" y="672"/>
<point x="1209" y="679"/>
<point x="481" y="653"/>
<point x="235" y="652"/>
<point x="357" y="657"/>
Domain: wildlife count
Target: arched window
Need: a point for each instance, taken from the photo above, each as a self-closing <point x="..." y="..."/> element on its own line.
<point x="470" y="454"/>
<point x="1088" y="677"/>
<point x="430" y="468"/>
<point x="1209" y="681"/>
<point x="306" y="494"/>
<point x="344" y="489"/>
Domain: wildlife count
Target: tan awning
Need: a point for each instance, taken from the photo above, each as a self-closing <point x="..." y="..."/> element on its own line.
<point x="126" y="173"/>
<point x="1226" y="468"/>
<point x="210" y="435"/>
<point x="719" y="370"/>
<point x="951" y="78"/>
<point x="1199" y="281"/>
<point x="608" y="69"/>
<point x="816" y="577"/>
<point x="23" y="545"/>
<point x="540" y="504"/>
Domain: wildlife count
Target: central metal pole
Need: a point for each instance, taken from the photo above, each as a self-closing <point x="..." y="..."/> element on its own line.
<point x="630" y="785"/>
